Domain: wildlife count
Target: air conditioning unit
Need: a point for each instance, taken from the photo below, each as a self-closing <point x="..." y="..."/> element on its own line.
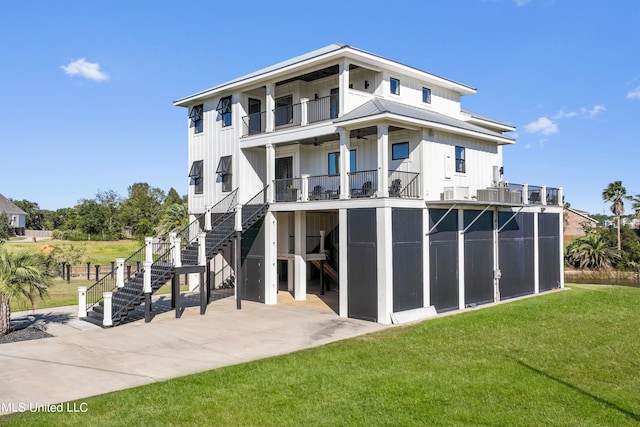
<point x="456" y="193"/>
<point x="488" y="195"/>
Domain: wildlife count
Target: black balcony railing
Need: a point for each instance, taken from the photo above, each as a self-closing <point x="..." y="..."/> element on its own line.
<point x="287" y="189"/>
<point x="254" y="124"/>
<point x="404" y="184"/>
<point x="534" y="194"/>
<point x="363" y="183"/>
<point x="325" y="108"/>
<point x="288" y="116"/>
<point x="324" y="187"/>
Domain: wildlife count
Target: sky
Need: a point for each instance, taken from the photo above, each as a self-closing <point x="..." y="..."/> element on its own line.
<point x="88" y="87"/>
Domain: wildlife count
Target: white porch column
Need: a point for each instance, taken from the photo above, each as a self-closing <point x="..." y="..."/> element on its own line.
<point x="343" y="69"/>
<point x="304" y="187"/>
<point x="270" y="258"/>
<point x="304" y="111"/>
<point x="427" y="136"/>
<point x="525" y="193"/>
<point x="120" y="272"/>
<point x="383" y="160"/>
<point x="108" y="310"/>
<point x="345" y="160"/>
<point x="385" y="264"/>
<point x="148" y="251"/>
<point x="496" y="257"/>
<point x="343" y="286"/>
<point x="461" y="296"/>
<point x="270" y="171"/>
<point x="82" y="301"/>
<point x="300" y="256"/>
<point x="270" y="104"/>
<point x="561" y="242"/>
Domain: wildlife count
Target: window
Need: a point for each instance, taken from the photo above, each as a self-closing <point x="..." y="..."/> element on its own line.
<point x="224" y="108"/>
<point x="394" y="85"/>
<point x="334" y="162"/>
<point x="196" y="176"/>
<point x="196" y="118"/>
<point x="426" y="95"/>
<point x="224" y="170"/>
<point x="400" y="151"/>
<point x="460" y="166"/>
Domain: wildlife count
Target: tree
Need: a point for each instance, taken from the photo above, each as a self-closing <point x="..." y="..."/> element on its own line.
<point x="592" y="251"/>
<point x="5" y="228"/>
<point x="175" y="216"/>
<point x="636" y="205"/>
<point x="173" y="198"/>
<point x="23" y="277"/>
<point x="142" y="209"/>
<point x="36" y="217"/>
<point x="615" y="193"/>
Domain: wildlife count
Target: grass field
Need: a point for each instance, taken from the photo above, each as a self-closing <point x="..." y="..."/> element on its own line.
<point x="567" y="358"/>
<point x="93" y="252"/>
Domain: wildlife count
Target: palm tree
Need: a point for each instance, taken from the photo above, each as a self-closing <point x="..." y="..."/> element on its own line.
<point x="592" y="251"/>
<point x="23" y="277"/>
<point x="636" y="205"/>
<point x="175" y="216"/>
<point x="614" y="193"/>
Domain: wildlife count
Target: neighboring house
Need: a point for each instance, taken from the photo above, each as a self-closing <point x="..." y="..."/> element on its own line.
<point x="576" y="222"/>
<point x="17" y="217"/>
<point x="373" y="171"/>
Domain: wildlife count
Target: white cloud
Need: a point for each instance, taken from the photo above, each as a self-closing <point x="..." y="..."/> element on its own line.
<point x="562" y="115"/>
<point x="88" y="70"/>
<point x="543" y="126"/>
<point x="521" y="3"/>
<point x="634" y="94"/>
<point x="597" y="109"/>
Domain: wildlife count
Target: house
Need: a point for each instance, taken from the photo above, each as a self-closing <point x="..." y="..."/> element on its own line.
<point x="17" y="217"/>
<point x="576" y="222"/>
<point x="370" y="171"/>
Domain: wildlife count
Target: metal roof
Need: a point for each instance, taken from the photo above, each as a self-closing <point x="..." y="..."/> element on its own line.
<point x="378" y="106"/>
<point x="9" y="207"/>
<point x="305" y="57"/>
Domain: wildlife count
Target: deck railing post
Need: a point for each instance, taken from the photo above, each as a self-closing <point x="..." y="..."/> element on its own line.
<point x="148" y="242"/>
<point x="560" y="201"/>
<point x="543" y="194"/>
<point x="207" y="218"/>
<point x="120" y="272"/>
<point x="108" y="309"/>
<point x="82" y="301"/>
<point x="147" y="291"/>
<point x="525" y="194"/>
<point x="304" y="111"/>
<point x="175" y="250"/>
<point x="202" y="249"/>
<point x="304" y="187"/>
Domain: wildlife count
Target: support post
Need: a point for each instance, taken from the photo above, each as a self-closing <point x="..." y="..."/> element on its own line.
<point x="147" y="291"/>
<point x="305" y="187"/>
<point x="108" y="309"/>
<point x="97" y="268"/>
<point x="345" y="162"/>
<point x="203" y="294"/>
<point x="207" y="218"/>
<point x="237" y="246"/>
<point x="69" y="273"/>
<point x="304" y="111"/>
<point x="175" y="243"/>
<point x="543" y="195"/>
<point x="120" y="273"/>
<point x="82" y="301"/>
<point x="383" y="160"/>
<point x="88" y="270"/>
<point x="62" y="272"/>
<point x="202" y="249"/>
<point x="148" y="242"/>
<point x="525" y="194"/>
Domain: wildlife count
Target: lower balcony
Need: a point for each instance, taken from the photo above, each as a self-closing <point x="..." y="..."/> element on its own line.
<point x="361" y="184"/>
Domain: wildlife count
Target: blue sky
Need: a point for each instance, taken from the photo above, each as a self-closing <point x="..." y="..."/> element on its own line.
<point x="87" y="87"/>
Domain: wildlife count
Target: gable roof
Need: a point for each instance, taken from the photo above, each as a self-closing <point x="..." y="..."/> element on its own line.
<point x="380" y="106"/>
<point x="309" y="56"/>
<point x="583" y="214"/>
<point x="9" y="207"/>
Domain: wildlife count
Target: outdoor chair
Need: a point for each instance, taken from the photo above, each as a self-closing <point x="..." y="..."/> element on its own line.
<point x="394" y="190"/>
<point x="316" y="193"/>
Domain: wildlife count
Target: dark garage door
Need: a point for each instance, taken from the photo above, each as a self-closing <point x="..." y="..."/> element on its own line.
<point x="515" y="254"/>
<point x="478" y="257"/>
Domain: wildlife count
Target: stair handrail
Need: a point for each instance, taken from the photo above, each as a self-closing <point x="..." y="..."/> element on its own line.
<point x="260" y="199"/>
<point x="185" y="234"/>
<point x="106" y="283"/>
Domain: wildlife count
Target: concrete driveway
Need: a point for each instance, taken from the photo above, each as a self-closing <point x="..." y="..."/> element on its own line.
<point x="82" y="360"/>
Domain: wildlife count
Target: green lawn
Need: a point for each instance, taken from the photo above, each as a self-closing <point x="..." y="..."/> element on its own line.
<point x="566" y="358"/>
<point x="94" y="252"/>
